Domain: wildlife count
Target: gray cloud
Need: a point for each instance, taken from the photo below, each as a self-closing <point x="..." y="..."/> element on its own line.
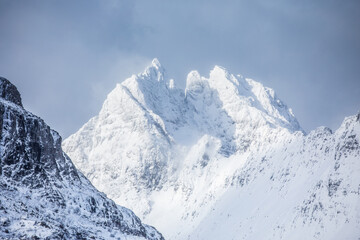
<point x="65" y="56"/>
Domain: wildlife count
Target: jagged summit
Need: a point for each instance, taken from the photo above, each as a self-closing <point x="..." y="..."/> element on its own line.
<point x="239" y="97"/>
<point x="225" y="156"/>
<point x="154" y="72"/>
<point x="220" y="70"/>
<point x="155" y="62"/>
<point x="9" y="92"/>
<point x="233" y="93"/>
<point x="238" y="93"/>
<point x="147" y="130"/>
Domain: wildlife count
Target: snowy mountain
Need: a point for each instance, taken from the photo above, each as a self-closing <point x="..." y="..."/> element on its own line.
<point x="225" y="156"/>
<point x="42" y="194"/>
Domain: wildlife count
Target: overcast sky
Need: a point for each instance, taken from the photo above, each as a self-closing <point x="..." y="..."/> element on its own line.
<point x="66" y="56"/>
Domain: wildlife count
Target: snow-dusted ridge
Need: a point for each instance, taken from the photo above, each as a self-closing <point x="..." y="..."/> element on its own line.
<point x="225" y="156"/>
<point x="42" y="194"/>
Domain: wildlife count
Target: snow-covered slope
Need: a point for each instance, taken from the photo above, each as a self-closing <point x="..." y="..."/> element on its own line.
<point x="42" y="195"/>
<point x="224" y="156"/>
<point x="301" y="187"/>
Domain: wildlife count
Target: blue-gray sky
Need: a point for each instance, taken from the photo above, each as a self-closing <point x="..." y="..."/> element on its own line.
<point x="66" y="56"/>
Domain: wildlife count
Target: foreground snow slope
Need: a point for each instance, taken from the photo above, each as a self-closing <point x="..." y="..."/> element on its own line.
<point x="224" y="156"/>
<point x="42" y="195"/>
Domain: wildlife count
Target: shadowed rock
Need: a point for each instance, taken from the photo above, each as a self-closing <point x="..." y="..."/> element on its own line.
<point x="9" y="92"/>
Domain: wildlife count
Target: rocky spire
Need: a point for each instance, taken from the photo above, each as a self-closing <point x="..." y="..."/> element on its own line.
<point x="9" y="92"/>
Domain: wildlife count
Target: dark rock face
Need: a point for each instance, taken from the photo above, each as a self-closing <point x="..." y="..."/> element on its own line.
<point x="32" y="150"/>
<point x="42" y="194"/>
<point x="9" y="92"/>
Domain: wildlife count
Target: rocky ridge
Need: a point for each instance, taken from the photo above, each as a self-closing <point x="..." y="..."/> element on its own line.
<point x="42" y="194"/>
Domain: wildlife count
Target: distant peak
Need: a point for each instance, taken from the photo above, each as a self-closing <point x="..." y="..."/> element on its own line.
<point x="9" y="92"/>
<point x="193" y="82"/>
<point x="155" y="70"/>
<point x="219" y="70"/>
<point x="193" y="74"/>
<point x="155" y="63"/>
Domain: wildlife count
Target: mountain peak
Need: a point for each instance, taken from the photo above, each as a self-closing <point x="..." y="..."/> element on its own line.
<point x="226" y="139"/>
<point x="154" y="71"/>
<point x="9" y="92"/>
<point x="155" y="63"/>
<point x="230" y="92"/>
<point x="219" y="68"/>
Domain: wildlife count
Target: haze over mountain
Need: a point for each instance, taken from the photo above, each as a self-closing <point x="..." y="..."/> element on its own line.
<point x="42" y="194"/>
<point x="225" y="156"/>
